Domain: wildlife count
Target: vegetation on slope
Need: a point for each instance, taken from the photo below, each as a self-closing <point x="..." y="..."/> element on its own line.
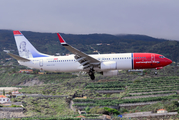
<point x="53" y="107"/>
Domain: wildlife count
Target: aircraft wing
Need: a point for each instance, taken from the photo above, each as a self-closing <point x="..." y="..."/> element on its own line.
<point x="84" y="59"/>
<point x="18" y="58"/>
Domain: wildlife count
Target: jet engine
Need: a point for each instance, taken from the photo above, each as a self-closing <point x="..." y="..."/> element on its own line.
<point x="110" y="73"/>
<point x="109" y="65"/>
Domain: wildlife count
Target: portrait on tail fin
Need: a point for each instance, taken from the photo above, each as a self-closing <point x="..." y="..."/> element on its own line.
<point x="23" y="52"/>
<point x="25" y="48"/>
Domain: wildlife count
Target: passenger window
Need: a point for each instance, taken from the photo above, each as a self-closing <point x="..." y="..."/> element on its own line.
<point x="161" y="56"/>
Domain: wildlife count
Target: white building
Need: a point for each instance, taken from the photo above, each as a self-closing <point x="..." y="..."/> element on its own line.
<point x="4" y="99"/>
<point x="16" y="93"/>
<point x="161" y="111"/>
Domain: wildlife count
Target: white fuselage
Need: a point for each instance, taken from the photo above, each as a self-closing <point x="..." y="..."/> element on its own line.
<point x="69" y="63"/>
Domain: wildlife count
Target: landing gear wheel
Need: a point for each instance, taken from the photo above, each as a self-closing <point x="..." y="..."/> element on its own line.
<point x="92" y="77"/>
<point x="91" y="74"/>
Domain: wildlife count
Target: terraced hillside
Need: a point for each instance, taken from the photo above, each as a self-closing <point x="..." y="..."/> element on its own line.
<point x="131" y="93"/>
<point x="127" y="92"/>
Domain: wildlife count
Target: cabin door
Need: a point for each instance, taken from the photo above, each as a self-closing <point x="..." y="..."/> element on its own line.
<point x="152" y="57"/>
<point x="41" y="62"/>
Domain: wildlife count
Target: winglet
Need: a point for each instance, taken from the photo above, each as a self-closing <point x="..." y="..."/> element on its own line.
<point x="62" y="41"/>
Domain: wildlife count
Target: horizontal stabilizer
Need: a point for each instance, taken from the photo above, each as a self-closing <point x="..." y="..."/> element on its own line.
<point x="18" y="58"/>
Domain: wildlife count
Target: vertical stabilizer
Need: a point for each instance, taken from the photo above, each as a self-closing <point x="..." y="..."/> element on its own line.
<point x="25" y="48"/>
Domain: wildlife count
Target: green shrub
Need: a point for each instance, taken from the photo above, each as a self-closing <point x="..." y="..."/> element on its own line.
<point x="100" y="111"/>
<point x="87" y="109"/>
<point x="94" y="110"/>
<point x="15" y="106"/>
<point x="137" y="81"/>
<point x="172" y="107"/>
<point x="111" y="111"/>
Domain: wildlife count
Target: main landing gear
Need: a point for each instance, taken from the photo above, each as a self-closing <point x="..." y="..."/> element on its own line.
<point x="91" y="73"/>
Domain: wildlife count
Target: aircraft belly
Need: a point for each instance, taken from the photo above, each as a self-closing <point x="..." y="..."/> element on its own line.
<point x="71" y="67"/>
<point x="63" y="67"/>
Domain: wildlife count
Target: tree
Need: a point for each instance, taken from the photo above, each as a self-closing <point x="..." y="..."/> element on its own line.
<point x="4" y="92"/>
<point x="87" y="109"/>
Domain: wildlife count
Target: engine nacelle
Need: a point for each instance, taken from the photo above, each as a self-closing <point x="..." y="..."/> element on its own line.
<point x="110" y="73"/>
<point x="109" y="65"/>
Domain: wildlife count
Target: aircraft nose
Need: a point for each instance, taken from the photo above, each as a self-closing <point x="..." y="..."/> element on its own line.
<point x="169" y="61"/>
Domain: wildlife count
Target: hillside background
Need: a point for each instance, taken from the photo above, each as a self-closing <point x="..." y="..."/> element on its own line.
<point x="135" y="88"/>
<point x="48" y="43"/>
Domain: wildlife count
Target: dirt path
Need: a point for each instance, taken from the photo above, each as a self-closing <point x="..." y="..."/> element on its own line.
<point x="9" y="88"/>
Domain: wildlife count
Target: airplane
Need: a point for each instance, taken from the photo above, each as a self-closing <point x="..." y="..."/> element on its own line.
<point x="106" y="64"/>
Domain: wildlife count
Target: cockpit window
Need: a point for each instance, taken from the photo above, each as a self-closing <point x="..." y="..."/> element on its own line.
<point x="161" y="56"/>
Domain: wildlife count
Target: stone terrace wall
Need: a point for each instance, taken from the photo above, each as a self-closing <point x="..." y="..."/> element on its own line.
<point x="7" y="114"/>
<point x="12" y="109"/>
